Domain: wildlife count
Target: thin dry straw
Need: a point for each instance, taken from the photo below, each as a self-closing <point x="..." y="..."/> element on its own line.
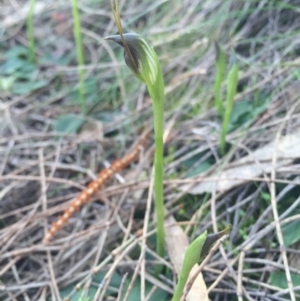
<point x="116" y="14"/>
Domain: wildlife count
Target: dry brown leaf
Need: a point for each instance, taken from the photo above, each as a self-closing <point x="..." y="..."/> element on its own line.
<point x="91" y="128"/>
<point x="177" y="243"/>
<point x="252" y="166"/>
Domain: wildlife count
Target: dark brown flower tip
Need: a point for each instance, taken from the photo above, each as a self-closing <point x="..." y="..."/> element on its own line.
<point x="211" y="239"/>
<point x="142" y="59"/>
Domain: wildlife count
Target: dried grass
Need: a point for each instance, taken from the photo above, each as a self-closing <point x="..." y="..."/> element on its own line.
<point x="40" y="170"/>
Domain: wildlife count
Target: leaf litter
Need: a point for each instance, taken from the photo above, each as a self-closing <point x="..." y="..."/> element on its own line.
<point x="105" y="234"/>
<point x="257" y="163"/>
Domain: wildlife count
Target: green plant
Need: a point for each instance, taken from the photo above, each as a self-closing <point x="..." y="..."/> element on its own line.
<point x="220" y="71"/>
<point x="191" y="257"/>
<point x="232" y="80"/>
<point x="30" y="32"/>
<point x="80" y="55"/>
<point x="141" y="58"/>
<point x="85" y="293"/>
<point x="17" y="74"/>
<point x="194" y="254"/>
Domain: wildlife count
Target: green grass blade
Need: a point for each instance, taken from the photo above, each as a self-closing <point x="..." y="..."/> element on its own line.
<point x="220" y="71"/>
<point x="30" y="32"/>
<point x="79" y="52"/>
<point x="232" y="80"/>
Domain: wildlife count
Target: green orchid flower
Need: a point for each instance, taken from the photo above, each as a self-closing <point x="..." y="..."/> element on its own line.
<point x="141" y="57"/>
<point x="142" y="60"/>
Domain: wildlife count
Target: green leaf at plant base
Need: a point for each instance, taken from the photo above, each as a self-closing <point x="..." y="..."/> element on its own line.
<point x="115" y="283"/>
<point x="278" y="278"/>
<point x="26" y="87"/>
<point x="135" y="294"/>
<point x="244" y="112"/>
<point x="265" y="196"/>
<point x="204" y="166"/>
<point x="191" y="257"/>
<point x="52" y="59"/>
<point x="291" y="233"/>
<point x="194" y="254"/>
<point x="69" y="123"/>
<point x="17" y="51"/>
<point x="12" y="65"/>
<point x="242" y="109"/>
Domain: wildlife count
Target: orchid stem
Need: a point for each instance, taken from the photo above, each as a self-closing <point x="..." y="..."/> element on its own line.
<point x="157" y="94"/>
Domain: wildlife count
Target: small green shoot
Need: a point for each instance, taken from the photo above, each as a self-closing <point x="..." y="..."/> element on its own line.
<point x="141" y="58"/>
<point x="232" y="81"/>
<point x="68" y="123"/>
<point x="80" y="53"/>
<point x="30" y="32"/>
<point x="191" y="257"/>
<point x="194" y="254"/>
<point x="220" y="72"/>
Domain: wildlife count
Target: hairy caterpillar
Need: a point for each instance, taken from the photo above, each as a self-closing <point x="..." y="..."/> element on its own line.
<point x="103" y="177"/>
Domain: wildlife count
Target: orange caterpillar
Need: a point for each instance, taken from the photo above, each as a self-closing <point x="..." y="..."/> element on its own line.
<point x="85" y="196"/>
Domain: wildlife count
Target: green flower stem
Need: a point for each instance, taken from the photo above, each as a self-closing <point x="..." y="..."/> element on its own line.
<point x="156" y="92"/>
<point x="141" y="58"/>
